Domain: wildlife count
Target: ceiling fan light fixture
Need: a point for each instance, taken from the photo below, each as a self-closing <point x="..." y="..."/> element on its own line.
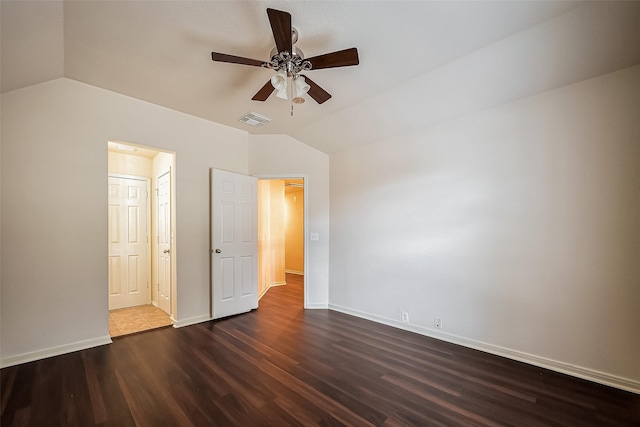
<point x="301" y="86"/>
<point x="279" y="81"/>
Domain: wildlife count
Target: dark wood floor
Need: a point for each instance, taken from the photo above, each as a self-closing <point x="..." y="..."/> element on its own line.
<point x="281" y="365"/>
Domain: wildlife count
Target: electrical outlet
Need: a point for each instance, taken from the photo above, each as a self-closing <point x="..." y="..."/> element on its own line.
<point x="437" y="322"/>
<point x="405" y="317"/>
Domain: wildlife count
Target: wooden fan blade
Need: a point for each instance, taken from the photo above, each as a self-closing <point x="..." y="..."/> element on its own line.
<point x="264" y="93"/>
<point x="223" y="57"/>
<point x="281" y="27"/>
<point x="341" y="58"/>
<point x="316" y="92"/>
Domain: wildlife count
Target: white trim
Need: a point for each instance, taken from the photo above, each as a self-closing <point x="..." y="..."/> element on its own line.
<point x="127" y="176"/>
<point x="299" y="273"/>
<point x="269" y="286"/>
<point x="191" y="321"/>
<point x="316" y="306"/>
<point x="277" y="284"/>
<point x="263" y="292"/>
<point x="307" y="186"/>
<point x="54" y="351"/>
<point x="543" y="362"/>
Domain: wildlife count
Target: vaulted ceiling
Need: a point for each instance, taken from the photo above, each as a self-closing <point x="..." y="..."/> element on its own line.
<point x="421" y="62"/>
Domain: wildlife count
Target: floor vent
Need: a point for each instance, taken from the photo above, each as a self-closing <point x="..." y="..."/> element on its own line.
<point x="254" y="119"/>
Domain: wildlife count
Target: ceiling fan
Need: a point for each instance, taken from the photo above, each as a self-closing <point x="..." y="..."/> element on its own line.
<point x="288" y="62"/>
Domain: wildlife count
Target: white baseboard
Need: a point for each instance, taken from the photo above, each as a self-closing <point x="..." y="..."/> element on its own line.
<point x="54" y="351"/>
<point x="269" y="286"/>
<point x="299" y="273"/>
<point x="191" y="321"/>
<point x="317" y="306"/>
<point x="554" y="365"/>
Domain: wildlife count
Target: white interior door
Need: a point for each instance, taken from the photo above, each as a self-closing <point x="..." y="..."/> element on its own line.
<point x="164" y="242"/>
<point x="234" y="252"/>
<point x="128" y="242"/>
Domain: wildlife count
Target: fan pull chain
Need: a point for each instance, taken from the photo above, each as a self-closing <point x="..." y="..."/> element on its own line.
<point x="291" y="92"/>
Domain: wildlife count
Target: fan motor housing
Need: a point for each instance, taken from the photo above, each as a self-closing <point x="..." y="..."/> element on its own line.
<point x="296" y="52"/>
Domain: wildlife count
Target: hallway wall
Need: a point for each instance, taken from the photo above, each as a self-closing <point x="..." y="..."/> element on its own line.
<point x="294" y="230"/>
<point x="271" y="236"/>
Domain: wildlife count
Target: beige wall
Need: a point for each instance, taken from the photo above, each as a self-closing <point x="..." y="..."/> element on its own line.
<point x="271" y="236"/>
<point x="294" y="230"/>
<point x="54" y="213"/>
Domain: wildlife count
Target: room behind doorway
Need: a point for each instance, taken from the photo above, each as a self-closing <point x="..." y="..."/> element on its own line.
<point x="281" y="231"/>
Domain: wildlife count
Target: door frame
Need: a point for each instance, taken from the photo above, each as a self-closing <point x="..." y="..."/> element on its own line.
<point x="305" y="221"/>
<point x="156" y="234"/>
<point x="147" y="181"/>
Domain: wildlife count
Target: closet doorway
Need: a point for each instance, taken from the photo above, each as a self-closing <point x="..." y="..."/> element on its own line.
<point x="141" y="285"/>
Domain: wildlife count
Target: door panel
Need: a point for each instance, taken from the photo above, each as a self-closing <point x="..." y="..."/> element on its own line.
<point x="226" y="264"/>
<point x="234" y="238"/>
<point x="247" y="275"/>
<point x="134" y="273"/>
<point x="115" y="271"/>
<point x="128" y="248"/>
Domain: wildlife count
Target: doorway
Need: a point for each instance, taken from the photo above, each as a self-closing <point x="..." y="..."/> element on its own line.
<point x="282" y="221"/>
<point x="152" y="302"/>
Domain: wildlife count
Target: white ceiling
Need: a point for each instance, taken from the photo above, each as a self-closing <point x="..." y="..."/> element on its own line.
<point x="421" y="62"/>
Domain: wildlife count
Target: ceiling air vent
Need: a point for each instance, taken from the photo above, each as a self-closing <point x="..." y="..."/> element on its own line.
<point x="254" y="119"/>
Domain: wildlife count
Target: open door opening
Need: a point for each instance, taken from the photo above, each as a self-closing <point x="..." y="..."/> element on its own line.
<point x="281" y="232"/>
<point x="142" y="285"/>
<point x="249" y="219"/>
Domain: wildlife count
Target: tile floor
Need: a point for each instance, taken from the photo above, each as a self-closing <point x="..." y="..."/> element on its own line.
<point x="124" y="321"/>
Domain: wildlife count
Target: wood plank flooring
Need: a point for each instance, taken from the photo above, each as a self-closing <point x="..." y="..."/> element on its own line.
<point x="283" y="366"/>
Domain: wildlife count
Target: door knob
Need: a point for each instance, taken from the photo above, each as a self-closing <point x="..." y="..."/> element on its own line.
<point x="166" y="251"/>
<point x="218" y="251"/>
